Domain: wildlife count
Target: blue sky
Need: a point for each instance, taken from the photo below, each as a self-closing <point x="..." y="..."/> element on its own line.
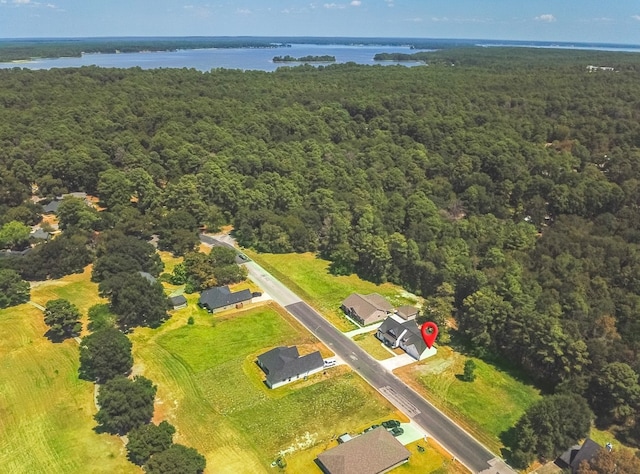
<point x="616" y="21"/>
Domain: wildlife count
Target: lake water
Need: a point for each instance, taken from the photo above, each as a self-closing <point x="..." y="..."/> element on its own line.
<point x="229" y="58"/>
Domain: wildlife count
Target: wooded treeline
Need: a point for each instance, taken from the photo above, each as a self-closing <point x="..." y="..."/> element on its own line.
<point x="505" y="192"/>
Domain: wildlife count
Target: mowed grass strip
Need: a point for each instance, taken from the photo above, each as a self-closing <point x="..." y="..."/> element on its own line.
<point x="309" y="277"/>
<point x="46" y="412"/>
<point x="486" y="407"/>
<point x="370" y="343"/>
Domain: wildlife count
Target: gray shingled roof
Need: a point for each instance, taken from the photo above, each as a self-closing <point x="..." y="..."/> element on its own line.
<point x="52" y="207"/>
<point x="221" y="296"/>
<point x="283" y="363"/>
<point x="412" y="337"/>
<point x="148" y="276"/>
<point x="370" y="453"/>
<point x="178" y="300"/>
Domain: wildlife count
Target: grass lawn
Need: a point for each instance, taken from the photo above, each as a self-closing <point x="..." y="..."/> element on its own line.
<point x="370" y="343"/>
<point x="46" y="412"/>
<point x="309" y="277"/>
<point x="211" y="389"/>
<point x="485" y="407"/>
<point x="433" y="460"/>
<point x="77" y="288"/>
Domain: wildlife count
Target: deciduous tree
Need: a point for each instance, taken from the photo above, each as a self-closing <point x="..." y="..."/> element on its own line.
<point x="63" y="319"/>
<point x="125" y="404"/>
<point x="147" y="440"/>
<point x="178" y="459"/>
<point x="104" y="355"/>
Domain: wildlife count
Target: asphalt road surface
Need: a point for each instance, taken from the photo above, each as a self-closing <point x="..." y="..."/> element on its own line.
<point x="454" y="439"/>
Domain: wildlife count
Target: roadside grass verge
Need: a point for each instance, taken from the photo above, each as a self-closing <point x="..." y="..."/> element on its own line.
<point x="308" y="276"/>
<point x="433" y="459"/>
<point x="370" y="343"/>
<point x="486" y="407"/>
<point x="211" y="389"/>
<point x="46" y="412"/>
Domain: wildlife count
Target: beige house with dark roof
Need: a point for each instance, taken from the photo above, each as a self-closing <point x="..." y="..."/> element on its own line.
<point x="367" y="309"/>
<point x="374" y="452"/>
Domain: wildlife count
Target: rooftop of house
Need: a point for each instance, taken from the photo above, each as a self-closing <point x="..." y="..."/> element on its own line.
<point x="573" y="456"/>
<point x="221" y="296"/>
<point x="178" y="300"/>
<point x="370" y="453"/>
<point x="413" y="336"/>
<point x="148" y="276"/>
<point x="283" y="362"/>
<point x="365" y="305"/>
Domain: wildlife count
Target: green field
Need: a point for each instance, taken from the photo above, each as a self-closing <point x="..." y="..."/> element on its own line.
<point x="485" y="407"/>
<point x="210" y="388"/>
<point x="46" y="412"/>
<point x="309" y="277"/>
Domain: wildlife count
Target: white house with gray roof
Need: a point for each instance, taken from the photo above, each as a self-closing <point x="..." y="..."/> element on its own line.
<point x="283" y="365"/>
<point x="394" y="332"/>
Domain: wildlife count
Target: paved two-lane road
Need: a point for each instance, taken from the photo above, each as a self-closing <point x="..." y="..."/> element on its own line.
<point x="453" y="438"/>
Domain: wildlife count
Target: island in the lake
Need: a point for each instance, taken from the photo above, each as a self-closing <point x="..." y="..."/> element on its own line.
<point x="422" y="56"/>
<point x="304" y="59"/>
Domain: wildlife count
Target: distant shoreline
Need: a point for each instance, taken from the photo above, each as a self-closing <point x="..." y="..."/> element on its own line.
<point x="13" y="50"/>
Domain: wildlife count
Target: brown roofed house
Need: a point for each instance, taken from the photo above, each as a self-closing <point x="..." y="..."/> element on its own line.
<point x="374" y="452"/>
<point x="366" y="309"/>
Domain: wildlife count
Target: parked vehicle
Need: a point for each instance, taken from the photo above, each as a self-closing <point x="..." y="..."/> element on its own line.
<point x="397" y="431"/>
<point x="389" y="424"/>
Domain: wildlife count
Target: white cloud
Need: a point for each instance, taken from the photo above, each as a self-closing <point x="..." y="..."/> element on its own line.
<point x="636" y="17"/>
<point x="243" y="11"/>
<point x="547" y="17"/>
<point x="356" y="3"/>
<point x="21" y="2"/>
<point x="416" y="19"/>
<point x="389" y="3"/>
<point x="332" y="6"/>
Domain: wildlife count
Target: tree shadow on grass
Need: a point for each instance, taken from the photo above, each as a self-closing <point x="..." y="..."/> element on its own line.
<point x="56" y="338"/>
<point x="509" y="440"/>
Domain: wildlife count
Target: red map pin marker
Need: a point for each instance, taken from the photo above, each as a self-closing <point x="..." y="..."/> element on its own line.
<point x="429" y="332"/>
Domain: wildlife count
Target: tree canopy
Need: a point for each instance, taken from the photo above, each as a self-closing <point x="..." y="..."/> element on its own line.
<point x="105" y="354"/>
<point x="549" y="427"/>
<point x="13" y="289"/>
<point x="147" y="440"/>
<point x="178" y="459"/>
<point x="135" y="300"/>
<point x="63" y="319"/>
<point x="125" y="404"/>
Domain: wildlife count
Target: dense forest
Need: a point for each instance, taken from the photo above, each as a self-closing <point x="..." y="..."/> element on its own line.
<point x="505" y="190"/>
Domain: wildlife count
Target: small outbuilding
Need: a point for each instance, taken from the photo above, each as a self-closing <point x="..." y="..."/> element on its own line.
<point x="283" y="365"/>
<point x="373" y="452"/>
<point x="178" y="302"/>
<point x="407" y="312"/>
